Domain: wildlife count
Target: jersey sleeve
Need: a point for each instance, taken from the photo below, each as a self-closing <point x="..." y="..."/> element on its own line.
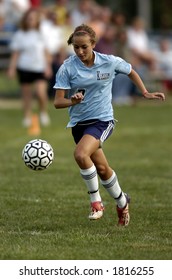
<point x="62" y="78"/>
<point x="122" y="66"/>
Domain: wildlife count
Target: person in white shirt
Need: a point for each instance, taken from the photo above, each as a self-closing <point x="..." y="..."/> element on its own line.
<point x="138" y="43"/>
<point x="163" y="56"/>
<point x="52" y="32"/>
<point x="81" y="13"/>
<point x="32" y="62"/>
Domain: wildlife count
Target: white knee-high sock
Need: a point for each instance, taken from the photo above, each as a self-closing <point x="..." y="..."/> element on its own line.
<point x="114" y="189"/>
<point x="91" y="180"/>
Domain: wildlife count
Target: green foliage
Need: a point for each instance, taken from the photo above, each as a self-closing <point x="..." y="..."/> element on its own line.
<point x="43" y="215"/>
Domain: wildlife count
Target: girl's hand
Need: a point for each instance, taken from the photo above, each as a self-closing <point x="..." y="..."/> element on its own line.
<point x="77" y="98"/>
<point x="154" y="95"/>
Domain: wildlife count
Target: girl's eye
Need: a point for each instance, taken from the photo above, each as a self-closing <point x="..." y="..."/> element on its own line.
<point x="84" y="47"/>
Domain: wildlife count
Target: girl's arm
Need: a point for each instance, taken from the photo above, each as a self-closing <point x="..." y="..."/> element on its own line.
<point x="60" y="101"/>
<point x="13" y="64"/>
<point x="140" y="85"/>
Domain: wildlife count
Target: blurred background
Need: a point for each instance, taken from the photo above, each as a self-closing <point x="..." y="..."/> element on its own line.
<point x="138" y="31"/>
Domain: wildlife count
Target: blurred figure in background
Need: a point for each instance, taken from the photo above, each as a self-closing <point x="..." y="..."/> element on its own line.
<point x="4" y="7"/>
<point x="18" y="8"/>
<point x="51" y="31"/>
<point x="32" y="62"/>
<point x="123" y="95"/>
<point x="81" y="13"/>
<point x="106" y="43"/>
<point x="163" y="56"/>
<point x="66" y="29"/>
<point x="60" y="8"/>
<point x="6" y="30"/>
<point x="35" y="3"/>
<point x="138" y="43"/>
<point x="5" y="13"/>
<point x="54" y="35"/>
<point x="119" y="20"/>
<point x="132" y="44"/>
<point x="95" y="20"/>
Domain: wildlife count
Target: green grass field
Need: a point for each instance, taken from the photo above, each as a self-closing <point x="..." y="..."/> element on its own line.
<point x="43" y="215"/>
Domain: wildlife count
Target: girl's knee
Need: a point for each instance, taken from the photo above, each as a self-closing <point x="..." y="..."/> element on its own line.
<point x="104" y="172"/>
<point x="79" y="156"/>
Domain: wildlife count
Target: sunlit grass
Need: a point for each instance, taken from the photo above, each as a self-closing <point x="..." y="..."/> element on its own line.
<point x="43" y="215"/>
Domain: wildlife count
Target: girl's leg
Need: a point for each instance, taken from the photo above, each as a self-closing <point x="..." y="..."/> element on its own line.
<point x="41" y="92"/>
<point x="91" y="161"/>
<point x="26" y="90"/>
<point x="110" y="182"/>
<point x="108" y="178"/>
<point x="86" y="146"/>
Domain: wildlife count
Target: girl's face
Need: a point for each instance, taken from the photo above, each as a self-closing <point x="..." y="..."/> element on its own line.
<point x="84" y="48"/>
<point x="32" y="20"/>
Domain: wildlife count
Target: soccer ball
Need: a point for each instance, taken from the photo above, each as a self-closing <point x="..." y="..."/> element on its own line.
<point x="38" y="154"/>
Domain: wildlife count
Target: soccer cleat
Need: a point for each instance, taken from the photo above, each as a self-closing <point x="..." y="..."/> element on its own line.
<point x="123" y="213"/>
<point x="97" y="209"/>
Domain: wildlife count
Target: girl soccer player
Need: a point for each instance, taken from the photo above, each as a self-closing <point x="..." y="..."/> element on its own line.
<point x="83" y="84"/>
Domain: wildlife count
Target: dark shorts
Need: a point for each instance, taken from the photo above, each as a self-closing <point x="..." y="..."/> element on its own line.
<point x="28" y="77"/>
<point x="99" y="129"/>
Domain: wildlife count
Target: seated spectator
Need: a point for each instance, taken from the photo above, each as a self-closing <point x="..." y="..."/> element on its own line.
<point x="6" y="12"/>
<point x="138" y="43"/>
<point x="52" y="32"/>
<point x="4" y="7"/>
<point x="106" y="15"/>
<point x="6" y="30"/>
<point x="121" y="45"/>
<point x="60" y="8"/>
<point x="66" y="30"/>
<point x="96" y="21"/>
<point x="125" y="94"/>
<point x="81" y="13"/>
<point x="163" y="58"/>
<point x="106" y="43"/>
<point x="18" y="8"/>
<point x="119" y="20"/>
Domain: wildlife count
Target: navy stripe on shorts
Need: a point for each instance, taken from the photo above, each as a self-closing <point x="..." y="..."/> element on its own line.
<point x="99" y="129"/>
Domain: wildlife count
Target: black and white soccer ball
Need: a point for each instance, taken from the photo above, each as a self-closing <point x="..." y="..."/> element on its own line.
<point x="38" y="154"/>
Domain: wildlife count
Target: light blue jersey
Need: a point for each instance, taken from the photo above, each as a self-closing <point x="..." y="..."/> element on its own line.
<point x="97" y="83"/>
